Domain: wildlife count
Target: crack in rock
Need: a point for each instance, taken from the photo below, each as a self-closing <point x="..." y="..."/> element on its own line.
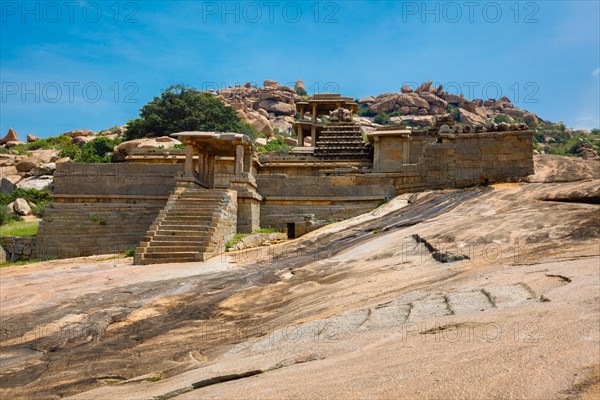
<point x="439" y="256"/>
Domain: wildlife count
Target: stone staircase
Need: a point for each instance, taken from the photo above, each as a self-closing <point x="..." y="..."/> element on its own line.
<point x="342" y="141"/>
<point x="194" y="225"/>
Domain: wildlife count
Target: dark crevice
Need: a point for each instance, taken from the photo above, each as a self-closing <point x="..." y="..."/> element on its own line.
<point x="561" y="277"/>
<point x="225" y="378"/>
<point x="580" y="200"/>
<point x="447" y="301"/>
<point x="489" y="297"/>
<point x="439" y="256"/>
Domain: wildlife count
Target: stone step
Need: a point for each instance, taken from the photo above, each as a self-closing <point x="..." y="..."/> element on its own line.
<point x="167" y="226"/>
<point x="166" y="243"/>
<point x="183" y="218"/>
<point x="195" y="204"/>
<point x="171" y="254"/>
<point x="201" y="195"/>
<point x="167" y="260"/>
<point x="173" y="249"/>
<point x="187" y="231"/>
<point x="150" y="261"/>
<point x="176" y="238"/>
<point x="343" y="141"/>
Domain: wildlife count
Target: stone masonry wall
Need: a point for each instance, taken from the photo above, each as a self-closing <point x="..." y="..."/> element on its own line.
<point x="470" y="159"/>
<point x="450" y="161"/>
<point x="16" y="248"/>
<point x="103" y="208"/>
<point x="115" y="179"/>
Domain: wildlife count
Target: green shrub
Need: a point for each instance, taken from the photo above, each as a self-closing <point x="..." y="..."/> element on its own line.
<point x="130" y="252"/>
<point x="382" y="119"/>
<point x="40" y="208"/>
<point x="7" y="215"/>
<point x="250" y="131"/>
<point x="454" y="112"/>
<point x="277" y="145"/>
<point x="180" y="108"/>
<point x="502" y="118"/>
<point x="32" y="195"/>
<point x="71" y="150"/>
<point x="301" y="92"/>
<point x="57" y="143"/>
<point x="363" y="111"/>
<point x="98" y="150"/>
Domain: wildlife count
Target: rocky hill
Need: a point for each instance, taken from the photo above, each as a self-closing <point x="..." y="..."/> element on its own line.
<point x="271" y="109"/>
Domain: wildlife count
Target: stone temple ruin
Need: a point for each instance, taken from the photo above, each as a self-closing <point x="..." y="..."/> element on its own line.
<point x="178" y="206"/>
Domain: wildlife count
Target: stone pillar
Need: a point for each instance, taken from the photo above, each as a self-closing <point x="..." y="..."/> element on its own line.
<point x="248" y="161"/>
<point x="211" y="172"/>
<point x="201" y="167"/>
<point x="313" y="135"/>
<point x="376" y="155"/>
<point x="314" y="112"/>
<point x="405" y="151"/>
<point x="300" y="134"/>
<point x="196" y="165"/>
<point x="189" y="160"/>
<point x="239" y="160"/>
<point x="205" y="170"/>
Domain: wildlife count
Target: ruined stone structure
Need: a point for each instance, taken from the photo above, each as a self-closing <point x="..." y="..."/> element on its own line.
<point x="329" y="124"/>
<point x="176" y="206"/>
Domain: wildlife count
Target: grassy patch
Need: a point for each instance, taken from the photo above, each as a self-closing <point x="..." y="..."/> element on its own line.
<point x="19" y="228"/>
<point x="20" y="262"/>
<point x="98" y="219"/>
<point x="239" y="236"/>
<point x="130" y="252"/>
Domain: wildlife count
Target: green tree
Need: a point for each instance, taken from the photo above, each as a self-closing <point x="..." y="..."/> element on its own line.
<point x="180" y="108"/>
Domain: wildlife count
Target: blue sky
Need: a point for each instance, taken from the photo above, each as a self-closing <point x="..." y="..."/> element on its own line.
<point x="93" y="64"/>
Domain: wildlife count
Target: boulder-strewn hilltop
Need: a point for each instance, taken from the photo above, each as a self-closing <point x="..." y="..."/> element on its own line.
<point x="272" y="107"/>
<point x="271" y="110"/>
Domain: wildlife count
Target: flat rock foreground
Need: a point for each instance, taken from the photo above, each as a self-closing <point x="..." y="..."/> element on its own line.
<point x="479" y="293"/>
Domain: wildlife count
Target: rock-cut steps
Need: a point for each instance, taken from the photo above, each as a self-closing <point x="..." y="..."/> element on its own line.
<point x="194" y="225"/>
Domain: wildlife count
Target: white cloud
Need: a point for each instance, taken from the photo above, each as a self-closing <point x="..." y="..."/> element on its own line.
<point x="596" y="72"/>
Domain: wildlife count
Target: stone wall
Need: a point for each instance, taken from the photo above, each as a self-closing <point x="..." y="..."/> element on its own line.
<point x="16" y="248"/>
<point x="291" y="198"/>
<point x="226" y="225"/>
<point x="479" y="158"/>
<point x="115" y="179"/>
<point x="103" y="208"/>
<point x="410" y="163"/>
